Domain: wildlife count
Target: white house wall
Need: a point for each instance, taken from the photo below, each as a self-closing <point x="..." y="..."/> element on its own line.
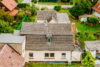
<point x="23" y="48"/>
<point x="39" y="56"/>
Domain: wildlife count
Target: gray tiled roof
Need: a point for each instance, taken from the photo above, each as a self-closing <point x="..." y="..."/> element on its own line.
<point x="10" y="38"/>
<point x="93" y="45"/>
<point x="46" y="15"/>
<point x="44" y="29"/>
<point x="59" y="43"/>
<point x="62" y="18"/>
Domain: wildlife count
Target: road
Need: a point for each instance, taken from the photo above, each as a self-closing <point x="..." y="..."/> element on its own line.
<point x="52" y="6"/>
<point x="48" y="6"/>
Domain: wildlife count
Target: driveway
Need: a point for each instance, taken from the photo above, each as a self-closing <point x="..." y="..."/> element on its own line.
<point x="52" y="6"/>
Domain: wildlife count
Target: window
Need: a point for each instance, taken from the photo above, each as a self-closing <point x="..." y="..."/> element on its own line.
<point x="48" y="40"/>
<point x="31" y="55"/>
<point x="49" y="55"/>
<point x="63" y="55"/>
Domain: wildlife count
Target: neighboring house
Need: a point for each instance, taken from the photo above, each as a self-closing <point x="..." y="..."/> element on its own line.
<point x="93" y="47"/>
<point x="16" y="42"/>
<point x="9" y="5"/>
<point x="10" y="58"/>
<point x="52" y="17"/>
<point x="50" y="42"/>
<point x="96" y="9"/>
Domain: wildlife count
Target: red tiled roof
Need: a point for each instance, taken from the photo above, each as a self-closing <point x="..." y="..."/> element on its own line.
<point x="10" y="58"/>
<point x="13" y="12"/>
<point x="10" y="4"/>
<point x="97" y="7"/>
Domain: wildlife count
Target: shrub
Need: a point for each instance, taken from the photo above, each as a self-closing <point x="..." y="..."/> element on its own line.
<point x="76" y="11"/>
<point x="31" y="19"/>
<point x="23" y="5"/>
<point x="93" y="20"/>
<point x="44" y="8"/>
<point x="20" y="15"/>
<point x="88" y="60"/>
<point x="5" y="27"/>
<point x="57" y="7"/>
<point x="35" y="1"/>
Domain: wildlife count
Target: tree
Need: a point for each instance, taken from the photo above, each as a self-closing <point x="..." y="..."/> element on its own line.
<point x="76" y="11"/>
<point x="57" y="7"/>
<point x="88" y="60"/>
<point x="85" y="4"/>
<point x="5" y="27"/>
<point x="6" y="16"/>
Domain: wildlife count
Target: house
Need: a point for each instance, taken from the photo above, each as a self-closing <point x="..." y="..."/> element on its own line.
<point x="9" y="5"/>
<point x="10" y="58"/>
<point x="93" y="47"/>
<point x="15" y="41"/>
<point x="51" y="17"/>
<point x="50" y="42"/>
<point x="96" y="9"/>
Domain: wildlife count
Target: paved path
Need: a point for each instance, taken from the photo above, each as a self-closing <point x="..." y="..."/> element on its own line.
<point x="51" y="6"/>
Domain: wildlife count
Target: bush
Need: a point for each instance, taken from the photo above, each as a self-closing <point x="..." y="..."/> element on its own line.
<point x="31" y="19"/>
<point x="23" y="5"/>
<point x="33" y="10"/>
<point x="35" y="1"/>
<point x="44" y="8"/>
<point x="20" y="15"/>
<point x="76" y="11"/>
<point x="93" y="20"/>
<point x="5" y="27"/>
<point x="57" y="7"/>
<point x="88" y="60"/>
<point x="65" y="0"/>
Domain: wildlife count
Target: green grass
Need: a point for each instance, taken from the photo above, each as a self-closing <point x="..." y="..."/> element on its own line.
<point x="86" y="28"/>
<point x="51" y="65"/>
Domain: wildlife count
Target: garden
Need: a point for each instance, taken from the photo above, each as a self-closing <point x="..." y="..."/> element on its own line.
<point x="26" y="13"/>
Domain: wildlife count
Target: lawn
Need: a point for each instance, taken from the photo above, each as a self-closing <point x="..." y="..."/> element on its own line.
<point x="84" y="28"/>
<point x="51" y="65"/>
<point x="87" y="33"/>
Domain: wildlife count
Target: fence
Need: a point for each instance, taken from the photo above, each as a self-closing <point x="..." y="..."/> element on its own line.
<point x="20" y="25"/>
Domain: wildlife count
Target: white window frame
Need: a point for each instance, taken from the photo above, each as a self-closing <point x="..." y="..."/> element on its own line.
<point x="62" y="56"/>
<point x="32" y="56"/>
<point x="49" y="55"/>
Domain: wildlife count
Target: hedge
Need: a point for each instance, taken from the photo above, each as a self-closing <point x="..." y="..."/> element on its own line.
<point x="23" y="5"/>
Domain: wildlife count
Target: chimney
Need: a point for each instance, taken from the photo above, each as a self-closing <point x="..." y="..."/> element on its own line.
<point x="74" y="31"/>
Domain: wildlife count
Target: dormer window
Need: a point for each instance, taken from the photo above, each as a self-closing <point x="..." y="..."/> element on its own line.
<point x="49" y="38"/>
